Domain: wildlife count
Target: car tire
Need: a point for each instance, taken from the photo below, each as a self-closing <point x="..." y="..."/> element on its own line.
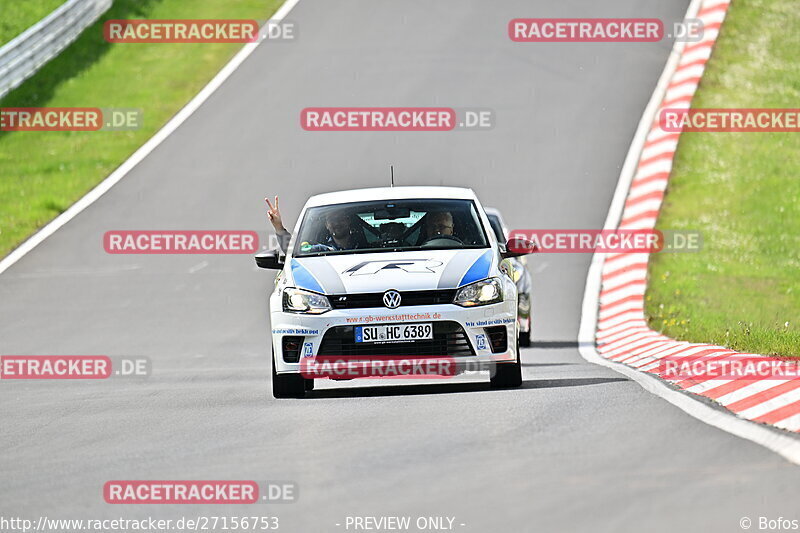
<point x="507" y="375"/>
<point x="525" y="338"/>
<point x="287" y="385"/>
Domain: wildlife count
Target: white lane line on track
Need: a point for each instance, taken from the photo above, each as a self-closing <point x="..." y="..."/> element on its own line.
<point x="103" y="187"/>
<point x="784" y="445"/>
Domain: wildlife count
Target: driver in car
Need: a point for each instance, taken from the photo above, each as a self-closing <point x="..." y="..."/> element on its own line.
<point x="438" y="223"/>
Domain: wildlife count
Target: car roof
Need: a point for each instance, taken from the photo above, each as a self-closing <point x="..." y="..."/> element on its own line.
<point x="390" y="193"/>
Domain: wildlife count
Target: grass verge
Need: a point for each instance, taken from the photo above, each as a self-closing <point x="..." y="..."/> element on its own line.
<point x="742" y="191"/>
<point x="19" y="15"/>
<point x="43" y="173"/>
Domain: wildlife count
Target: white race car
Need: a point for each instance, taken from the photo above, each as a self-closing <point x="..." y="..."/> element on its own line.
<point x="376" y="276"/>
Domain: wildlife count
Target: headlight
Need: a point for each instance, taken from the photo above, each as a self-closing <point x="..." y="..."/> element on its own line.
<point x="485" y="292"/>
<point x="300" y="301"/>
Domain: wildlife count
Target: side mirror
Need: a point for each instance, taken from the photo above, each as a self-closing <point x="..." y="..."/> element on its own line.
<point x="270" y="259"/>
<point x="517" y="247"/>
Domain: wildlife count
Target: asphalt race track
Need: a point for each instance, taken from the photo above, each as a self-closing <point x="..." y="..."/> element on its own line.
<point x="577" y="448"/>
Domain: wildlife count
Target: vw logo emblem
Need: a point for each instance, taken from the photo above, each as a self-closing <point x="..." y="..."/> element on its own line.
<point x="391" y="299"/>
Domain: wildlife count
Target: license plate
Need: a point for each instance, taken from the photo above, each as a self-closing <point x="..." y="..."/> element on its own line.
<point x="394" y="333"/>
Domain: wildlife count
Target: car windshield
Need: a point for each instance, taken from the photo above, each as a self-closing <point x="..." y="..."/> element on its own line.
<point x="390" y="225"/>
<point x="494" y="221"/>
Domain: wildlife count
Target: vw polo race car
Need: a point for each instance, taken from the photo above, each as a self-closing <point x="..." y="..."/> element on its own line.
<point x="371" y="276"/>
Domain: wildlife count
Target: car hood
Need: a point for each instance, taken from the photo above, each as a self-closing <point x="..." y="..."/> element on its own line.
<point x="403" y="271"/>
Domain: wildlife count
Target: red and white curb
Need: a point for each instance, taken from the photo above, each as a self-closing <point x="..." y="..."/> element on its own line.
<point x="614" y="299"/>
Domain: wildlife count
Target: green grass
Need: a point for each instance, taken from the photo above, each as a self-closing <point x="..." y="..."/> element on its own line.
<point x="43" y="173"/>
<point x="742" y="191"/>
<point x="17" y="16"/>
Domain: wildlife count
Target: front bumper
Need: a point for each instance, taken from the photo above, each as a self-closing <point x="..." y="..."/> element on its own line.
<point x="311" y="329"/>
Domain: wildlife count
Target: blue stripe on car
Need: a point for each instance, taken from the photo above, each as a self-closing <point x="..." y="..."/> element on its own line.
<point x="479" y="269"/>
<point x="303" y="279"/>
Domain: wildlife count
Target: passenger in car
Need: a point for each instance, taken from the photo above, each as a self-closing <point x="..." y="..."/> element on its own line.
<point x="342" y="232"/>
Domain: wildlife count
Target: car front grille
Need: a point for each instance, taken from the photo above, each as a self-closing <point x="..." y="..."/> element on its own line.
<point x="449" y="339"/>
<point x="375" y="299"/>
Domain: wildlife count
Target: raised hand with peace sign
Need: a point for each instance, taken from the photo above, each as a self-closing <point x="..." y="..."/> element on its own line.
<point x="274" y="215"/>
